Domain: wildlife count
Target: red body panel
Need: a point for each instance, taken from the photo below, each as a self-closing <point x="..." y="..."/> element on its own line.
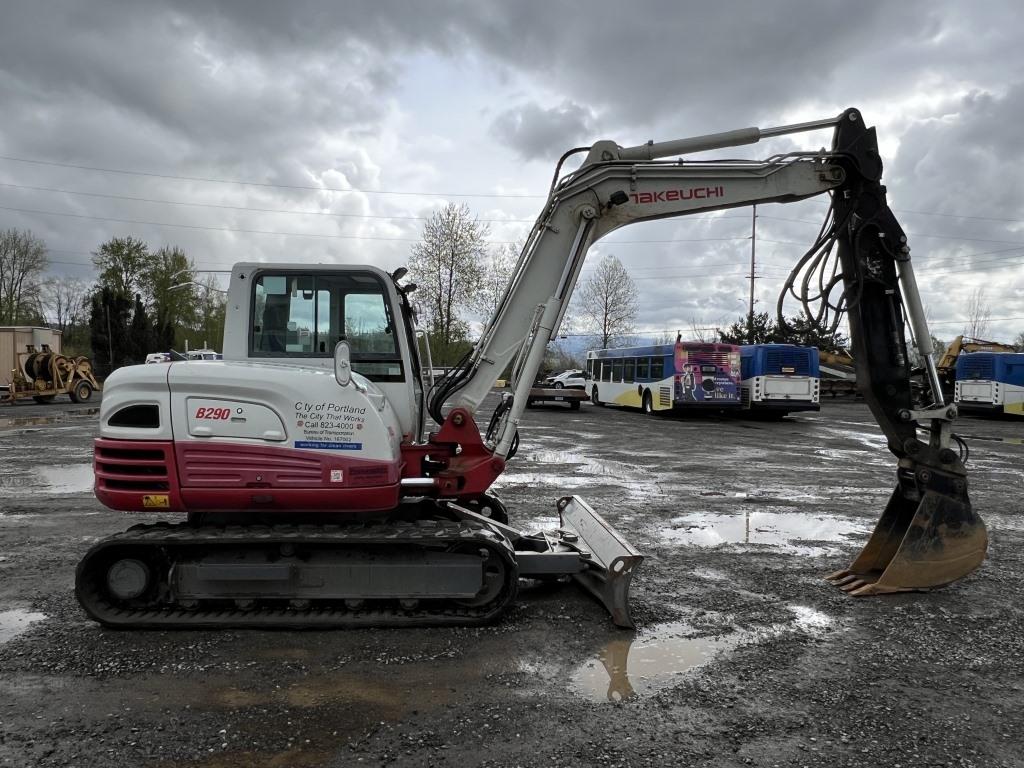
<point x="193" y="476"/>
<point x="135" y="475"/>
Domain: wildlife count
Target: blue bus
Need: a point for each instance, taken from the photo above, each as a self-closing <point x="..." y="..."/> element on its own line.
<point x="684" y="376"/>
<point x="990" y="382"/>
<point x="777" y="379"/>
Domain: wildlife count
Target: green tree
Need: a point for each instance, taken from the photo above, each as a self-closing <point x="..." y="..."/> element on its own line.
<point x="174" y="302"/>
<point x="794" y="330"/>
<point x="802" y="331"/>
<point x="122" y="263"/>
<point x="445" y="264"/>
<point x="207" y="328"/>
<point x="140" y="341"/>
<point x="109" y="318"/>
<point x="765" y="331"/>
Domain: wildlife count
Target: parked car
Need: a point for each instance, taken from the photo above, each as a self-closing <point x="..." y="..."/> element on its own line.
<point x="204" y="354"/>
<point x="571" y="379"/>
<point x="158" y="357"/>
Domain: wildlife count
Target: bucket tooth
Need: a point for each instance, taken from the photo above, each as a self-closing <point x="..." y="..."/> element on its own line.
<point x="841" y="582"/>
<point x="852" y="585"/>
<point x="918" y="546"/>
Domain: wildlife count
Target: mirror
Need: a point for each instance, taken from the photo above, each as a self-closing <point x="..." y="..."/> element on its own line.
<point x="343" y="363"/>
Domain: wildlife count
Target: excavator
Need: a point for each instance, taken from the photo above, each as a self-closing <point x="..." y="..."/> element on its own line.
<point x="316" y="493"/>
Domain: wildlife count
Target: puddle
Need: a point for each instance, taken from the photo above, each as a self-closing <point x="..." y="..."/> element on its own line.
<point x="14" y="623"/>
<point x="776" y="529"/>
<point x="66" y="478"/>
<point x="579" y="471"/>
<point x="13" y="422"/>
<point x="628" y="668"/>
<point x="49" y="479"/>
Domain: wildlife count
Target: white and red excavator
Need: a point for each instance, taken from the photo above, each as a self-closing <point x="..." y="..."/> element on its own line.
<point x="316" y="496"/>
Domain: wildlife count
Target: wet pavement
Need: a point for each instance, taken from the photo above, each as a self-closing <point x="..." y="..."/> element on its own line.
<point x="742" y="655"/>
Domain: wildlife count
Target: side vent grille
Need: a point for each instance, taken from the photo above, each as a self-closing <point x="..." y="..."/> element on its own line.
<point x="665" y="397"/>
<point x="131" y="469"/>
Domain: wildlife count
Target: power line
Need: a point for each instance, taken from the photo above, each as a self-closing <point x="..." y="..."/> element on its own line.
<point x="692" y="217"/>
<point x="241" y="207"/>
<point x="238" y="182"/>
<point x="313" y="188"/>
<point x="991" y="319"/>
<point x="324" y="235"/>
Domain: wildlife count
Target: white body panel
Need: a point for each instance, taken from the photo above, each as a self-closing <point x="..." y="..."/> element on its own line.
<point x="256" y="403"/>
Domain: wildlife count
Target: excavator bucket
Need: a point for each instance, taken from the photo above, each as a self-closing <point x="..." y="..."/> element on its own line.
<point x="917" y="546"/>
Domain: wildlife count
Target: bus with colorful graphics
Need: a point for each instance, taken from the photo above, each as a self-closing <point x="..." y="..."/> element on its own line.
<point x="777" y="379"/>
<point x="990" y="382"/>
<point x="685" y="376"/>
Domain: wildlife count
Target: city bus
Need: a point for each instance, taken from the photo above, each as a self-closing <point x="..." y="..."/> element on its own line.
<point x="779" y="378"/>
<point x="990" y="382"/>
<point x="684" y="376"/>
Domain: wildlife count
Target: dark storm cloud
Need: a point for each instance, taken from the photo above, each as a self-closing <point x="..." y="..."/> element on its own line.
<point x="293" y="93"/>
<point x="535" y="133"/>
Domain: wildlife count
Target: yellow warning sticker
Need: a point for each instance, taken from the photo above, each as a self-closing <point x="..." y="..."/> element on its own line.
<point x="156" y="501"/>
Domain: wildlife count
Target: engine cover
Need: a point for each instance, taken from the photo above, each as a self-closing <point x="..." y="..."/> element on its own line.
<point x="210" y="435"/>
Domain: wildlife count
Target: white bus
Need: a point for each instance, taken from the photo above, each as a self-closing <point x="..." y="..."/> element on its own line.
<point x="683" y="376"/>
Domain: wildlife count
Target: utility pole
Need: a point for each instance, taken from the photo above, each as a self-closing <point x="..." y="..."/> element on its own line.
<point x="753" y="247"/>
<point x="110" y="341"/>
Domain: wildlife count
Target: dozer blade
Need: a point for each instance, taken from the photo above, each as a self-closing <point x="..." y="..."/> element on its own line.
<point x="917" y="547"/>
<point x="584" y="547"/>
<point x="611" y="560"/>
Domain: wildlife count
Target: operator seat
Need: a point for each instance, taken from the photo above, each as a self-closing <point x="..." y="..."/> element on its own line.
<point x="275" y="324"/>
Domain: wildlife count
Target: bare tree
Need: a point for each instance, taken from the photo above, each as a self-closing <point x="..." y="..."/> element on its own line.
<point x="978" y="314"/>
<point x="22" y="264"/>
<point x="703" y="333"/>
<point x="496" y="267"/>
<point x="608" y="305"/>
<point x="210" y="314"/>
<point x="64" y="300"/>
<point x="446" y="266"/>
<point x="1019" y="342"/>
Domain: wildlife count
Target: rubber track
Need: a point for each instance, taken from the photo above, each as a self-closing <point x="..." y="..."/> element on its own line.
<point x="333" y="614"/>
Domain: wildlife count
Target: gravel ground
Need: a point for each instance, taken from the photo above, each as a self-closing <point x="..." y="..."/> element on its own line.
<point x="743" y="654"/>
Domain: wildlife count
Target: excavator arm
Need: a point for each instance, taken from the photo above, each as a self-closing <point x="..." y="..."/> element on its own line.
<point x="928" y="535"/>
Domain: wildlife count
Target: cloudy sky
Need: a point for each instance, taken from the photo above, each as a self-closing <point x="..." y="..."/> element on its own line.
<point x="327" y="132"/>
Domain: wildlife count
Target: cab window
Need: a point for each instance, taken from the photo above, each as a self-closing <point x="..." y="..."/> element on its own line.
<point x="298" y="315"/>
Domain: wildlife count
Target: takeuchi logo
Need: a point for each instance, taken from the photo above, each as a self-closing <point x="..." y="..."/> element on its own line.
<point x="670" y="195"/>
